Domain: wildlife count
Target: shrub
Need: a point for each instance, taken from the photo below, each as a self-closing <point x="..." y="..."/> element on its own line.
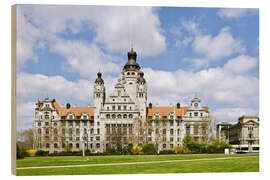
<point x="112" y="151"/>
<point x="149" y="149"/>
<point x="88" y="152"/>
<point x="138" y="150"/>
<point x="167" y="151"/>
<point x="178" y="149"/>
<point x="31" y="152"/>
<point x="42" y="153"/>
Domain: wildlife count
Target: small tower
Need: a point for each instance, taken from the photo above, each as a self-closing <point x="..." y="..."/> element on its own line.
<point x="196" y="102"/>
<point x="142" y="93"/>
<point x="99" y="92"/>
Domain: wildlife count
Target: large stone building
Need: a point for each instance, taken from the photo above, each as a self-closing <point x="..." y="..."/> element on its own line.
<point x="122" y="119"/>
<point x="244" y="132"/>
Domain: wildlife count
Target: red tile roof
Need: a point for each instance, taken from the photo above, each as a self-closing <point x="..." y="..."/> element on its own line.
<point x="165" y="111"/>
<point x="77" y="111"/>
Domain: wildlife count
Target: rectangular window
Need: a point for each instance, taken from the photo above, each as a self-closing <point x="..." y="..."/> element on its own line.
<point x="98" y="138"/>
<point x="171" y="131"/>
<point x="171" y="139"/>
<point x="187" y="129"/>
<point x="164" y="131"/>
<point x="196" y="114"/>
<point x="119" y="107"/>
<point x="196" y="129"/>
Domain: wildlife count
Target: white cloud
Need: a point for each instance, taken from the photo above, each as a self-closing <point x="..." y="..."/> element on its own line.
<point x="86" y="59"/>
<point x="236" y="12"/>
<point x="119" y="25"/>
<point x="27" y="36"/>
<point x="222" y="45"/>
<point x="115" y="27"/>
<point x="232" y="114"/>
<point x="220" y="86"/>
<point x="25" y="115"/>
<point x="30" y="86"/>
<point x="241" y="64"/>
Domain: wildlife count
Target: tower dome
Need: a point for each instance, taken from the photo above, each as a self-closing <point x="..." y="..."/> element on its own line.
<point x="131" y="64"/>
<point x="99" y="79"/>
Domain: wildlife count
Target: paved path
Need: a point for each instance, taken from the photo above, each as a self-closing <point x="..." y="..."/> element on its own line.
<point x="129" y="163"/>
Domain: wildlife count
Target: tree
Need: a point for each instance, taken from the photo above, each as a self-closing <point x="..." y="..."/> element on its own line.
<point x="25" y="139"/>
<point x="188" y="141"/>
<point x="149" y="149"/>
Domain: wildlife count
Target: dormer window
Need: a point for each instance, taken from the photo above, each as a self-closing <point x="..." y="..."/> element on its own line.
<point x="70" y="117"/>
<point x="128" y="73"/>
<point x="84" y="117"/>
<point x="133" y="73"/>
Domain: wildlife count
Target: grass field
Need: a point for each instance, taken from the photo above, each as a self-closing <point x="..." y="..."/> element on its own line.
<point x="249" y="164"/>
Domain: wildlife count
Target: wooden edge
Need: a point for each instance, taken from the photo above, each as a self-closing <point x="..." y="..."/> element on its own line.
<point x="13" y="87"/>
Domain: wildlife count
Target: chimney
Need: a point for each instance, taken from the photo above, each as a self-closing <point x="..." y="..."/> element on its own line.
<point x="68" y="106"/>
<point x="178" y="105"/>
<point x="150" y="105"/>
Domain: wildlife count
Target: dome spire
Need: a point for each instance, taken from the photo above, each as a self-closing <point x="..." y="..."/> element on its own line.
<point x="132" y="44"/>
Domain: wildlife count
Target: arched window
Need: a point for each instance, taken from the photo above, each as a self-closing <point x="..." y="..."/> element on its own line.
<point x="47" y="145"/>
<point x="70" y="145"/>
<point x="63" y="145"/>
<point x="55" y="145"/>
<point x="128" y="73"/>
<point x="108" y="116"/>
<point x="130" y="116"/>
<point x="119" y="116"/>
<point x="125" y="116"/>
<point x="113" y="116"/>
<point x="77" y="145"/>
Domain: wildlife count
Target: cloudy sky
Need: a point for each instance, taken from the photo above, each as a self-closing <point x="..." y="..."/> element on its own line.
<point x="209" y="51"/>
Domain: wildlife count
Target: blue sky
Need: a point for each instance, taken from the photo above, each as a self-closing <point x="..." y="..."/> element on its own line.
<point x="210" y="51"/>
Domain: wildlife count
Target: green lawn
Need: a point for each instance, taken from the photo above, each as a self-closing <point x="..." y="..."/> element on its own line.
<point x="250" y="164"/>
<point x="74" y="160"/>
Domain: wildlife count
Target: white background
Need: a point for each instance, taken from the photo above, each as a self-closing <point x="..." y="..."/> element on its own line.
<point x="5" y="80"/>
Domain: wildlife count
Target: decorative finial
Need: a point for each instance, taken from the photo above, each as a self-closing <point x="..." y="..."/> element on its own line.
<point x="132" y="44"/>
<point x="195" y="95"/>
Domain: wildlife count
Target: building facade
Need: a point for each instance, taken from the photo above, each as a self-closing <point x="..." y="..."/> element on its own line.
<point x="122" y="119"/>
<point x="244" y="132"/>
